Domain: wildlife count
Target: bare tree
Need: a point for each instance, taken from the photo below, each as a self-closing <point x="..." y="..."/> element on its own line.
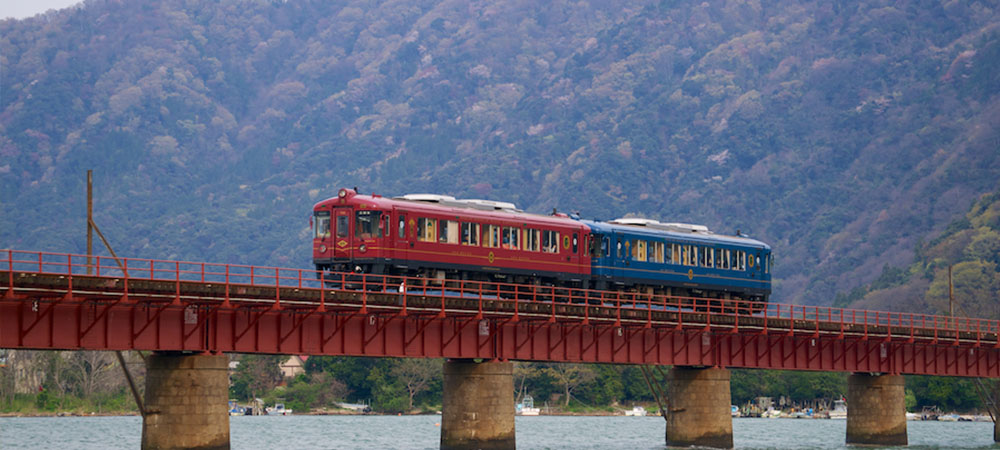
<point x="417" y="374"/>
<point x="522" y="373"/>
<point x="570" y="376"/>
<point x="95" y="371"/>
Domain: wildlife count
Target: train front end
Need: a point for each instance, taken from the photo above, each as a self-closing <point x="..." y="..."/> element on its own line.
<point x="348" y="231"/>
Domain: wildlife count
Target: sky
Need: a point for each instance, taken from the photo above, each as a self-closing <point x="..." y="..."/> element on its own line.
<point x="20" y="9"/>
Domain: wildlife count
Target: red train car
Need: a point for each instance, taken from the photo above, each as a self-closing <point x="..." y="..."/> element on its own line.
<point x="439" y="237"/>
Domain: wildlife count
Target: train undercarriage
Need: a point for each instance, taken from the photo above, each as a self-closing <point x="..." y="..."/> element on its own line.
<point x="381" y="276"/>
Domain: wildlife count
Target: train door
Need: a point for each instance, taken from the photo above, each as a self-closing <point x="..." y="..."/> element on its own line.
<point x="620" y="256"/>
<point x="342" y="239"/>
<point x="401" y="233"/>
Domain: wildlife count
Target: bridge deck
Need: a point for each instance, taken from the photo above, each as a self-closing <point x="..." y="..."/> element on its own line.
<point x="197" y="310"/>
<point x="814" y="321"/>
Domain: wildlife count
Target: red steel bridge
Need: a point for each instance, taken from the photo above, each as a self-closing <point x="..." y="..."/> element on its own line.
<point x="70" y="302"/>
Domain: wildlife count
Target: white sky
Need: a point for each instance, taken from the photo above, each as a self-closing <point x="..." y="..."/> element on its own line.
<point x="21" y="9"/>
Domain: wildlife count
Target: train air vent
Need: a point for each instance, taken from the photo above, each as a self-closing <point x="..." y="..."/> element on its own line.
<point x="672" y="226"/>
<point x="431" y="198"/>
<point x="489" y="205"/>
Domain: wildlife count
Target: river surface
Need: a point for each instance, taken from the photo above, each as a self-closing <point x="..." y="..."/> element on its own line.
<point x="422" y="432"/>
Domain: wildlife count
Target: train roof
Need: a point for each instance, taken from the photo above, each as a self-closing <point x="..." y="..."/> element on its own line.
<point x="690" y="232"/>
<point x="445" y="204"/>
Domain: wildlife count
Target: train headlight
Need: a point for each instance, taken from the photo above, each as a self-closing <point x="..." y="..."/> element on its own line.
<point x="322" y="249"/>
<point x="342" y="193"/>
<point x="363" y="248"/>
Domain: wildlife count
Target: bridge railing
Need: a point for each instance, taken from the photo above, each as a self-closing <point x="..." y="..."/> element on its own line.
<point x="801" y="317"/>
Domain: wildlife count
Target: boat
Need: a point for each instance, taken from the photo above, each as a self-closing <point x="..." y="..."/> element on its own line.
<point x="236" y="410"/>
<point x="734" y="410"/>
<point x="839" y="410"/>
<point x="637" y="411"/>
<point x="278" y="410"/>
<point x="526" y="407"/>
<point x="771" y="413"/>
<point x="948" y="417"/>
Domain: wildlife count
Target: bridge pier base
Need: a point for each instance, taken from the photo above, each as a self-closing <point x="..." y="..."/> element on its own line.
<point x="186" y="402"/>
<point x="478" y="405"/>
<point x="876" y="410"/>
<point x="699" y="412"/>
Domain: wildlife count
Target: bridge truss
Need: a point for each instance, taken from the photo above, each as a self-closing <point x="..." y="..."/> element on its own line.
<point x="65" y="301"/>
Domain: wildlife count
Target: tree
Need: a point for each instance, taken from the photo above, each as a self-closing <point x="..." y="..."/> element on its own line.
<point x="523" y="373"/>
<point x="416" y="375"/>
<point x="570" y="376"/>
<point x="94" y="371"/>
<point x="256" y="375"/>
<point x="314" y="390"/>
<point x="388" y="394"/>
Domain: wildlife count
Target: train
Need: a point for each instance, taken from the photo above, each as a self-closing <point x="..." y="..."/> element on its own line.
<point x="437" y="238"/>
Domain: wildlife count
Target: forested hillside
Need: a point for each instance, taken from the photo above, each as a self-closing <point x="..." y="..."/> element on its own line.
<point x="840" y="132"/>
<point x="970" y="246"/>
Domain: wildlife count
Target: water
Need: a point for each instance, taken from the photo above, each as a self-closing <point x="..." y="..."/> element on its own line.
<point x="422" y="432"/>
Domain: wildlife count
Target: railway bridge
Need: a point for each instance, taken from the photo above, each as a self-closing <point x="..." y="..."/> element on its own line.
<point x="190" y="313"/>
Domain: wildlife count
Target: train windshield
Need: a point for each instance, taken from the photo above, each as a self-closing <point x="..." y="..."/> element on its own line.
<point x="321" y="225"/>
<point x="366" y="224"/>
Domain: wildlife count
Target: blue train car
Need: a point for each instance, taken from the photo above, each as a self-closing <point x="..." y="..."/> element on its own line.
<point x="678" y="259"/>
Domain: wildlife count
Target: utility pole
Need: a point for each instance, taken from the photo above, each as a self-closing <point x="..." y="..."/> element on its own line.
<point x="90" y="220"/>
<point x="91" y="226"/>
<point x="951" y="295"/>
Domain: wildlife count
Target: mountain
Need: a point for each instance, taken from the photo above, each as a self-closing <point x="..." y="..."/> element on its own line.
<point x="970" y="247"/>
<point x="842" y="133"/>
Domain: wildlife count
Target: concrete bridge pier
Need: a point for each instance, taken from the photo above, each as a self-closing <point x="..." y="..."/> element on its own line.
<point x="699" y="411"/>
<point x="478" y="405"/>
<point x="876" y="410"/>
<point x="186" y="402"/>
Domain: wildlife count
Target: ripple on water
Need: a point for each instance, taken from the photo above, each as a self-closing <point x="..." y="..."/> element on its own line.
<point x="422" y="432"/>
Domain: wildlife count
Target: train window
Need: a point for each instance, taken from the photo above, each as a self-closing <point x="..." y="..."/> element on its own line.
<point x="656" y="252"/>
<point x="639" y="250"/>
<point x="366" y="224"/>
<point x="575" y="243"/>
<point x="343" y="226"/>
<point x="724" y="259"/>
<point x="741" y="260"/>
<point x="321" y="226"/>
<point x="492" y="236"/>
<point x="702" y="257"/>
<point x="402" y="226"/>
<point x="470" y="233"/>
<point x="511" y="238"/>
<point x="606" y="247"/>
<point x="426" y="229"/>
<point x="675" y="253"/>
<point x="550" y="241"/>
<point x="619" y="248"/>
<point x="532" y="242"/>
<point x="448" y="232"/>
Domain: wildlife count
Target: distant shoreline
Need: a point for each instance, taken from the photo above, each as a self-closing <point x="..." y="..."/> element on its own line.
<point x="68" y="414"/>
